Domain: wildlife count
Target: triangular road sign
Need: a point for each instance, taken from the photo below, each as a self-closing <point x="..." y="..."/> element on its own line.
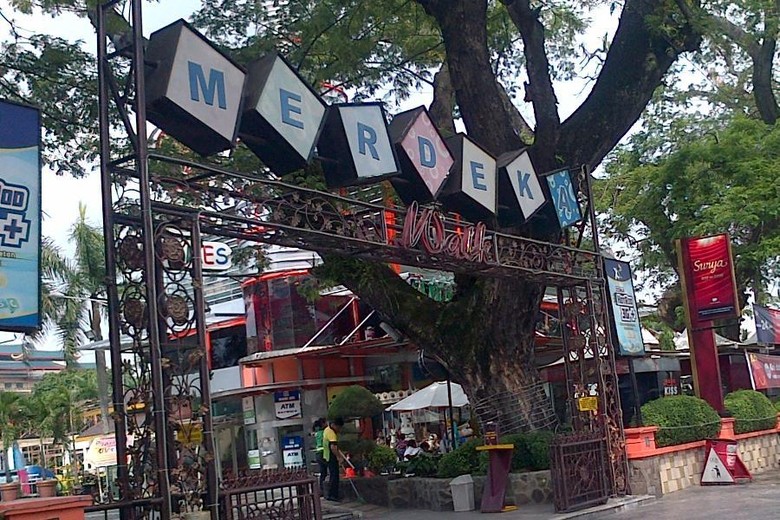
<point x="715" y="471"/>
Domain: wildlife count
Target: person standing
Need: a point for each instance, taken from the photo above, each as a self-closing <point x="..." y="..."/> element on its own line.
<point x="319" y="430"/>
<point x="332" y="455"/>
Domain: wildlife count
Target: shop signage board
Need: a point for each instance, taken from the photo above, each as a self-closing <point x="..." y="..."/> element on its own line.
<point x="625" y="316"/>
<point x="253" y="459"/>
<point x="767" y="325"/>
<point x="216" y="256"/>
<point x="292" y="451"/>
<point x="287" y="404"/>
<point x="711" y="284"/>
<point x="20" y="217"/>
<point x="248" y="408"/>
<point x="764" y="370"/>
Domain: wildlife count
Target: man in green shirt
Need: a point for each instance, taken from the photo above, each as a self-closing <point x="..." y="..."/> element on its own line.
<point x="331" y="454"/>
<point x="319" y="429"/>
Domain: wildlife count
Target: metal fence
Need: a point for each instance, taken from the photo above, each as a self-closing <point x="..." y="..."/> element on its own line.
<point x="270" y="495"/>
<point x="580" y="470"/>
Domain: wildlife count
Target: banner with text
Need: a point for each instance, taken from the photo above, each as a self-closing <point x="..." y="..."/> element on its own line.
<point x="620" y="288"/>
<point x="711" y="285"/>
<point x="20" y="217"/>
<point x="767" y="325"/>
<point x="287" y="404"/>
<point x="764" y="370"/>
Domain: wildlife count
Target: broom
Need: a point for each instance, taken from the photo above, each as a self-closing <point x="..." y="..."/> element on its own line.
<point x="360" y="498"/>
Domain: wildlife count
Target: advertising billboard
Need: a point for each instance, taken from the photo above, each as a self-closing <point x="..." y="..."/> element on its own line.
<point x="764" y="370"/>
<point x="767" y="325"/>
<point x="711" y="286"/>
<point x="20" y="217"/>
<point x="620" y="288"/>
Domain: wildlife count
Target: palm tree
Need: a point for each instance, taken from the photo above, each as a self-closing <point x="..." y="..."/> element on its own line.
<point x="77" y="313"/>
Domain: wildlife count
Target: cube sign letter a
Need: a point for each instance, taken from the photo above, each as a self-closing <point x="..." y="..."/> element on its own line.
<point x="564" y="198"/>
<point x="355" y="145"/>
<point x="193" y="92"/>
<point x="282" y="115"/>
<point x="423" y="155"/>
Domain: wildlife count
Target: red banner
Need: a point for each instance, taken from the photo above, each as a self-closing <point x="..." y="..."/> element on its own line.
<point x="710" y="272"/>
<point x="764" y="371"/>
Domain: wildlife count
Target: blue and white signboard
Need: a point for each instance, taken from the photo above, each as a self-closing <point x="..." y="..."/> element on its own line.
<point x="20" y="217"/>
<point x="292" y="451"/>
<point x="287" y="404"/>
<point x="628" y="330"/>
<point x="564" y="198"/>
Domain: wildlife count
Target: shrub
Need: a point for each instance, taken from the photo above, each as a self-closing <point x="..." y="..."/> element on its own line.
<point x="752" y="410"/>
<point x="681" y="419"/>
<point x="532" y="450"/>
<point x="463" y="460"/>
<point x="382" y="458"/>
<point x="423" y="465"/>
<point x="355" y="402"/>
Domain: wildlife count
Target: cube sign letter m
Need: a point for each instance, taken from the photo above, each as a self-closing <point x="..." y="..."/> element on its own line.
<point x="209" y="87"/>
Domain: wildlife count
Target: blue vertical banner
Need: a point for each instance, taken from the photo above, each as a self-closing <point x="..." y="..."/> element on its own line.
<point x="20" y="217"/>
<point x="620" y="289"/>
<point x="564" y="199"/>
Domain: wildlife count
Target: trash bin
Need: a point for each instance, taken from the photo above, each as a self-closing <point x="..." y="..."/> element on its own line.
<point x="462" y="489"/>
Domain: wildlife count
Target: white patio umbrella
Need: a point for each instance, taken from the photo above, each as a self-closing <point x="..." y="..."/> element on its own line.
<point x="432" y="396"/>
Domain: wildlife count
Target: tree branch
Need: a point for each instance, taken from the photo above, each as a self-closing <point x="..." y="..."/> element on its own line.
<point x="443" y="101"/>
<point x="640" y="55"/>
<point x="463" y="24"/>
<point x="763" y="93"/>
<point x="539" y="89"/>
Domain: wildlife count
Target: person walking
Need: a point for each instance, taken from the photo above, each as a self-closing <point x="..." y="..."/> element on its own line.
<point x="319" y="430"/>
<point x="332" y="455"/>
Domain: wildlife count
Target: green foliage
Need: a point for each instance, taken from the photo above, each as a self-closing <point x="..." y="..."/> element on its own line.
<point x="382" y="458"/>
<point x="681" y="419"/>
<point x="718" y="177"/>
<point x="423" y="465"/>
<point x="752" y="410"/>
<point x="355" y="402"/>
<point x="662" y="330"/>
<point x="463" y="460"/>
<point x="358" y="449"/>
<point x="532" y="450"/>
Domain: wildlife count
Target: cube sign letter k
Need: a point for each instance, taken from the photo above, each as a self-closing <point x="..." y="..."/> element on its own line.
<point x="525" y="188"/>
<point x="214" y="85"/>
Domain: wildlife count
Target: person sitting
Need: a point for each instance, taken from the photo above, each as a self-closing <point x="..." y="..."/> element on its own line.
<point x="425" y="447"/>
<point x="411" y="450"/>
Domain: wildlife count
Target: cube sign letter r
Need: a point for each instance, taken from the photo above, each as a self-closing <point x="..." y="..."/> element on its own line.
<point x="214" y="85"/>
<point x="367" y="139"/>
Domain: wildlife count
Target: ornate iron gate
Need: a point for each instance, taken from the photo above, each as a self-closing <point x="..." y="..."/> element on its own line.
<point x="155" y="208"/>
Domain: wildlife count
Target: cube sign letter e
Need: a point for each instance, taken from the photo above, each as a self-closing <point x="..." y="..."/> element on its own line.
<point x="282" y="115"/>
<point x="193" y="93"/>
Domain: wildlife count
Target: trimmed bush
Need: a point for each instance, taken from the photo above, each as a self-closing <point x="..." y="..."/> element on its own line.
<point x="681" y="419"/>
<point x="464" y="460"/>
<point x="532" y="450"/>
<point x="382" y="458"/>
<point x="752" y="410"/>
<point x="355" y="402"/>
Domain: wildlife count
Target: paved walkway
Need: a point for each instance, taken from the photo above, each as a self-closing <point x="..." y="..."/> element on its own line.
<point x="757" y="500"/>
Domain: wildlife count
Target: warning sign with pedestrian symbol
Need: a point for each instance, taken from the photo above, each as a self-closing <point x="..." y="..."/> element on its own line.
<point x="723" y="465"/>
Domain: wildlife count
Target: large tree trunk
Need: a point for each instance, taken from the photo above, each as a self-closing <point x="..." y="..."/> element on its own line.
<point x="104" y="392"/>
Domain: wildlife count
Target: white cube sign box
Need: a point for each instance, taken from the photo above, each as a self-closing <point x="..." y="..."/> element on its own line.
<point x="423" y="155"/>
<point x="355" y="146"/>
<point x="472" y="186"/>
<point x="520" y="193"/>
<point x="193" y="91"/>
<point x="282" y="115"/>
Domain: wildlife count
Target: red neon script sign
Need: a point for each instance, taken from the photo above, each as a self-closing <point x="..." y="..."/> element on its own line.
<point x="427" y="228"/>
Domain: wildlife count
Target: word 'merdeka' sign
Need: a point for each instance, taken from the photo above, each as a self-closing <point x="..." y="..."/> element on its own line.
<point x="202" y="98"/>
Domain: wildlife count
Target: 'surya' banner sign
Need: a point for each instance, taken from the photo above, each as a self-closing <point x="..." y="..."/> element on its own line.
<point x="204" y="99"/>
